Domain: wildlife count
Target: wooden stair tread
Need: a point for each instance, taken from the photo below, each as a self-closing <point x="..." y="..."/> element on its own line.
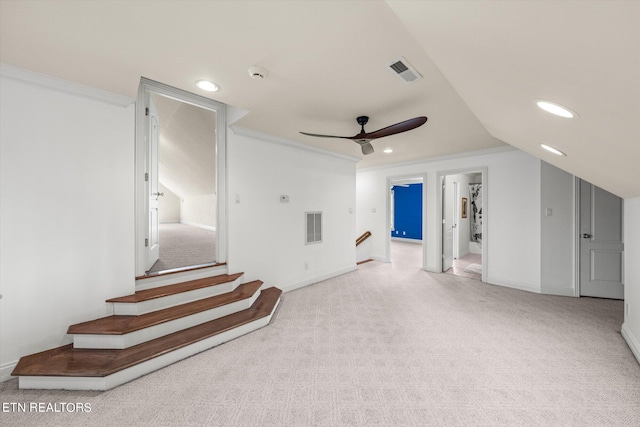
<point x="69" y="362"/>
<point x="123" y="324"/>
<point x="163" y="291"/>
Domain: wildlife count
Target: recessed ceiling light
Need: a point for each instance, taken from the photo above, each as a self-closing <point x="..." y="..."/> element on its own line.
<point x="552" y="150"/>
<point x="388" y="150"/>
<point x="207" y="85"/>
<point x="556" y="109"/>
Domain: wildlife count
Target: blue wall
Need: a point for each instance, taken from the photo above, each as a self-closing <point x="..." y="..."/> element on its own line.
<point x="407" y="212"/>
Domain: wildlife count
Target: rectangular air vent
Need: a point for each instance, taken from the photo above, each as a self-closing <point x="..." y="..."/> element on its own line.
<point x="314" y="227"/>
<point x="401" y="68"/>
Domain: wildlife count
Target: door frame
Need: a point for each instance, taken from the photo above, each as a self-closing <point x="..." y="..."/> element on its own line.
<point x="483" y="170"/>
<point x="387" y="217"/>
<point x="145" y="87"/>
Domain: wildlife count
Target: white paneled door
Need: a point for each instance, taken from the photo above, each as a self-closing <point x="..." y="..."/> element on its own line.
<point x="601" y="243"/>
<point x="153" y="248"/>
<point x="448" y="224"/>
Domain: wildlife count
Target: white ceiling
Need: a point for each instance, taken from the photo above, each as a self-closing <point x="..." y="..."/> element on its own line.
<point x="483" y="64"/>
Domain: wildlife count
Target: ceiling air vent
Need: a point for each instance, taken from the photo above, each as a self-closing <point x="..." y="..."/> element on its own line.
<point x="401" y="68"/>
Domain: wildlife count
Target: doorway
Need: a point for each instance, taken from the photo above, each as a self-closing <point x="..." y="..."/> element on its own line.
<point x="463" y="227"/>
<point x="406" y="219"/>
<point x="180" y="197"/>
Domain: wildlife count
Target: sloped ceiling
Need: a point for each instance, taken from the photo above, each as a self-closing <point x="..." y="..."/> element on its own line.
<point x="187" y="147"/>
<point x="483" y="63"/>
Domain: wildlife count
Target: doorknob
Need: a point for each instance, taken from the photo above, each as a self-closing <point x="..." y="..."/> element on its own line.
<point x="158" y="195"/>
<point x="586" y="236"/>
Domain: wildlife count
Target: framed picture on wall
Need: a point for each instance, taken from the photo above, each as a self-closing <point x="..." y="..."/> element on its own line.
<point x="464" y="207"/>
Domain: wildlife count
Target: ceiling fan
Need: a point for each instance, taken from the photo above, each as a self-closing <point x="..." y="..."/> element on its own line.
<point x="364" y="138"/>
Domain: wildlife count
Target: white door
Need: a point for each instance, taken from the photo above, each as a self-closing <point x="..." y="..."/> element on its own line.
<point x="447" y="225"/>
<point x="456" y="215"/>
<point x="601" y="245"/>
<point x="153" y="239"/>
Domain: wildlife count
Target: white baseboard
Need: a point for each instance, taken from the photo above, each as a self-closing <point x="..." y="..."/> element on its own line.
<point x="5" y="371"/>
<point x="404" y="239"/>
<point x="522" y="286"/>
<point x="311" y="281"/>
<point x="632" y="341"/>
<point x="552" y="290"/>
<point x="182" y="276"/>
<point x="204" y="227"/>
<point x="463" y="253"/>
<point x="379" y="258"/>
<point x="170" y="221"/>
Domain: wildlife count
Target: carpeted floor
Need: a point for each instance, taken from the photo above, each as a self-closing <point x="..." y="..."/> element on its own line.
<point x="183" y="245"/>
<point x="393" y="346"/>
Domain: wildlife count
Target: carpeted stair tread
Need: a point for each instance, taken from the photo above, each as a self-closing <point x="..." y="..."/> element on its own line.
<point x="121" y="324"/>
<point x="70" y="362"/>
<point x="163" y="291"/>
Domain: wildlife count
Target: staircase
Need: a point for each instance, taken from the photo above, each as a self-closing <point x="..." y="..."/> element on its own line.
<point x="160" y="324"/>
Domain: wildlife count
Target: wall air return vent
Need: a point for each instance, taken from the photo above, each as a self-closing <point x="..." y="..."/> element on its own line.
<point x="314" y="227"/>
<point x="401" y="68"/>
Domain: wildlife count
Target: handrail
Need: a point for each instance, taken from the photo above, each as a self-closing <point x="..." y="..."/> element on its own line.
<point x="362" y="238"/>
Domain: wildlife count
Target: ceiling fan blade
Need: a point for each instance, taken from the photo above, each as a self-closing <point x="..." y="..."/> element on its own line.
<point x="397" y="128"/>
<point x="325" y="136"/>
<point x="366" y="146"/>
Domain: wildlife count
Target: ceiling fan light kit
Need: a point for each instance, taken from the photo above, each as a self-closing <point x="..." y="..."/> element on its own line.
<point x="365" y="138"/>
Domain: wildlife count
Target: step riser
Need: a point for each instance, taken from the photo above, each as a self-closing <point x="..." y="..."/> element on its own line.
<point x="136" y="309"/>
<point x="123" y="341"/>
<point x="126" y="375"/>
<point x="170" y="279"/>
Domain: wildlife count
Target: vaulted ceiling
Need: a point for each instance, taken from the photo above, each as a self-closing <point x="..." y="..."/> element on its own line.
<point x="186" y="147"/>
<point x="483" y="62"/>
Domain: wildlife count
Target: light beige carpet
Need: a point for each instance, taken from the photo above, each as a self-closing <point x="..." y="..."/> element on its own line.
<point x="388" y="345"/>
<point x="184" y="245"/>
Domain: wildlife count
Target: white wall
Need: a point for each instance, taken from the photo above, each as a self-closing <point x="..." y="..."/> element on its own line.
<point x="199" y="211"/>
<point x="267" y="237"/>
<point x="67" y="212"/>
<point x="631" y="326"/>
<point x="557" y="229"/>
<point x="169" y="205"/>
<point x="511" y="193"/>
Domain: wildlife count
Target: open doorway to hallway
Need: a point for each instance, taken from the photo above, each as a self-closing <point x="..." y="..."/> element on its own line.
<point x="462" y="235"/>
<point x="187" y="184"/>
<point x="406" y="221"/>
<point x="180" y="180"/>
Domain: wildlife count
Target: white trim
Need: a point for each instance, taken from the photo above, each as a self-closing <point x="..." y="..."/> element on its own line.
<point x="143" y="307"/>
<point x="521" y="286"/>
<point x="204" y="227"/>
<point x="475" y="153"/>
<point x="407" y="240"/>
<point x="554" y="290"/>
<point x="145" y="87"/>
<point x="169" y="279"/>
<point x="631" y="340"/>
<point x="239" y="130"/>
<point x="5" y="371"/>
<point x="311" y="281"/>
<point x="170" y="221"/>
<point x="136" y="371"/>
<point x="64" y="86"/>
